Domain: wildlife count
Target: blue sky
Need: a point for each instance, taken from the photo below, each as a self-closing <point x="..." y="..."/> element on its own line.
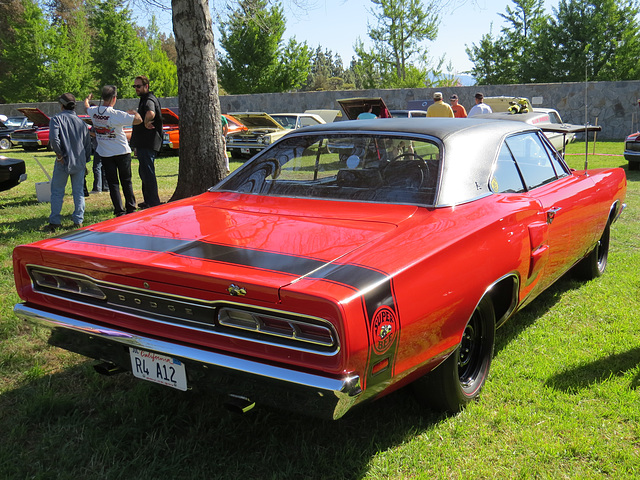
<point x="337" y="24"/>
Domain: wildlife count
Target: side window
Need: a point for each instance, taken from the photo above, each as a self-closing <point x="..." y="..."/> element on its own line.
<point x="306" y="121"/>
<point x="554" y="117"/>
<point x="532" y="158"/>
<point x="558" y="163"/>
<point x="506" y="178"/>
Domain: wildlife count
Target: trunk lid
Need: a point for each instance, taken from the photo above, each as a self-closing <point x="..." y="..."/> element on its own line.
<point x="259" y="244"/>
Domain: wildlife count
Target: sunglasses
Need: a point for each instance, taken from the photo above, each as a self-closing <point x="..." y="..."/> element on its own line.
<point x="137" y="86"/>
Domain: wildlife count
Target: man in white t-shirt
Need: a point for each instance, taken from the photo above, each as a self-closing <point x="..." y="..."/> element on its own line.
<point x="113" y="147"/>
<point x="480" y="107"/>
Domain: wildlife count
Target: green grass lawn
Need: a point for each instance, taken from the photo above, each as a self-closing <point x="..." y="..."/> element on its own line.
<point x="562" y="399"/>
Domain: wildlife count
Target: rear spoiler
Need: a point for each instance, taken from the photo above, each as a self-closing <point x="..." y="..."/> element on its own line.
<point x="566" y="128"/>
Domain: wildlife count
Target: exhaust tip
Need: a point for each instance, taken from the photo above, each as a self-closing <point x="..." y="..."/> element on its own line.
<point x="238" y="403"/>
<point x="108" y="369"/>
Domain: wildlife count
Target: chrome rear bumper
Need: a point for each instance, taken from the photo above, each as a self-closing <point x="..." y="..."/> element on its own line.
<point x="280" y="387"/>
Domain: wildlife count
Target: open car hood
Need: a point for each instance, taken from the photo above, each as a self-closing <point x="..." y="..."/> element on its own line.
<point x="257" y="120"/>
<point x="234" y="123"/>
<point x="37" y="116"/>
<point x="355" y="106"/>
<point x="170" y="116"/>
<point x="222" y="241"/>
<point x="326" y="114"/>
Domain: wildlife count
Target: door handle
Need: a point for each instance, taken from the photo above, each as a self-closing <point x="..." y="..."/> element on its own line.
<point x="551" y="214"/>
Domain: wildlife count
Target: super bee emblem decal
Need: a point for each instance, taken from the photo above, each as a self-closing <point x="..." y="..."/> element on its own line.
<point x="383" y="329"/>
<point x="236" y="291"/>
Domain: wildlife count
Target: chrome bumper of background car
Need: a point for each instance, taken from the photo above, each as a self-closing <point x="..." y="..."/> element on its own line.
<point x="632" y="155"/>
<point x="263" y="383"/>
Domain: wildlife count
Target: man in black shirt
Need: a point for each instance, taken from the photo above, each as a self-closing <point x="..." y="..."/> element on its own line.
<point x="146" y="140"/>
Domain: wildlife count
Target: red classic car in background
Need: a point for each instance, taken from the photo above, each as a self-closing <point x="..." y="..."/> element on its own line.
<point x="37" y="135"/>
<point x="234" y="125"/>
<point x="344" y="261"/>
<point x="171" y="127"/>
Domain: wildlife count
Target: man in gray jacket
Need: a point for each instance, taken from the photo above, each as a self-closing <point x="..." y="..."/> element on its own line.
<point x="69" y="138"/>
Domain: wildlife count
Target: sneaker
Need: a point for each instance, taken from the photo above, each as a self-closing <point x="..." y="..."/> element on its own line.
<point x="94" y="191"/>
<point x="52" y="227"/>
<point x="143" y="205"/>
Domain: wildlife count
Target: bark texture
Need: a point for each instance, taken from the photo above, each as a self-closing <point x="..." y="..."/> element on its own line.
<point x="201" y="143"/>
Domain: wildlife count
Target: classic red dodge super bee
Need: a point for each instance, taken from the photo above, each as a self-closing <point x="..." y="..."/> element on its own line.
<point x="341" y="263"/>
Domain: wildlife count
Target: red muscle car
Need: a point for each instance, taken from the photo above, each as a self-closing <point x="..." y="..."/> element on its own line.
<point x="171" y="127"/>
<point x="35" y="136"/>
<point x="344" y="261"/>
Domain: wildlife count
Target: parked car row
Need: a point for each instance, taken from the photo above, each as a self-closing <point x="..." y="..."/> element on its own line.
<point x="36" y="135"/>
<point x="264" y="129"/>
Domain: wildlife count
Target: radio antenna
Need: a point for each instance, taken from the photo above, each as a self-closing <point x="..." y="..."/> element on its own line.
<point x="586" y="112"/>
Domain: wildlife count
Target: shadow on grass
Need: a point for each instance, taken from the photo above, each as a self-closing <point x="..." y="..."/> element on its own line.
<point x="586" y="375"/>
<point x="38" y="223"/>
<point x="23" y="201"/>
<point x="632" y="175"/>
<point x="77" y="424"/>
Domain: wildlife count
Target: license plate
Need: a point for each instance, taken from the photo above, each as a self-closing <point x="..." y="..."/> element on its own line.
<point x="245" y="150"/>
<point x="158" y="369"/>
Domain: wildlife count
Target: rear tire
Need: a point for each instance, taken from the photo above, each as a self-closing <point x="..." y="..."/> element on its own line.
<point x="634" y="165"/>
<point x="595" y="264"/>
<point x="460" y="378"/>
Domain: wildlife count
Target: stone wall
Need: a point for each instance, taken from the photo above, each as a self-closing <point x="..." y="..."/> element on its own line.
<point x="613" y="105"/>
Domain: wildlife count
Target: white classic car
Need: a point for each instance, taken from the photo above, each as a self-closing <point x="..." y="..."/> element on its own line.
<point x="544" y="118"/>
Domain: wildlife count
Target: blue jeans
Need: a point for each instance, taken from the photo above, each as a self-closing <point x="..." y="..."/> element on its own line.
<point x="58" y="185"/>
<point x="147" y="171"/>
<point x="99" y="177"/>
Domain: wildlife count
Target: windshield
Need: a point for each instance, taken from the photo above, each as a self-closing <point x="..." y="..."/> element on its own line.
<point x="14" y="121"/>
<point x="363" y="167"/>
<point x="287" y="121"/>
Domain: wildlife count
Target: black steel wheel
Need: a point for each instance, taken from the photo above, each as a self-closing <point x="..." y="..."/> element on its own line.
<point x="460" y="378"/>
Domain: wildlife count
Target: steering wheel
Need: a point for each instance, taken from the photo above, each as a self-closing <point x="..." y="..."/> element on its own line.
<point x="402" y="173"/>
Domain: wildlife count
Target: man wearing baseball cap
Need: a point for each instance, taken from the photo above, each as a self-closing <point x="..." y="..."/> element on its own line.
<point x="458" y="110"/>
<point x="439" y="108"/>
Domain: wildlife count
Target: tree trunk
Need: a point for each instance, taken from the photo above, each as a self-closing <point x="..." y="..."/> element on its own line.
<point x="201" y="144"/>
